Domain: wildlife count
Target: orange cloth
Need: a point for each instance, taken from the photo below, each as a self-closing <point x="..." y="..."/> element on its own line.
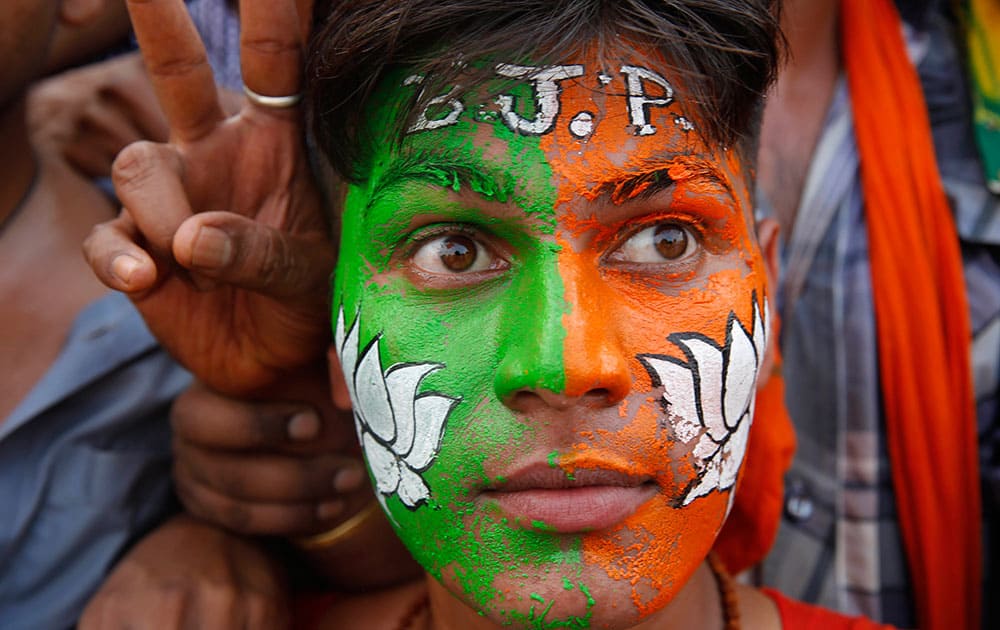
<point x="798" y="616"/>
<point x="752" y="524"/>
<point x="922" y="320"/>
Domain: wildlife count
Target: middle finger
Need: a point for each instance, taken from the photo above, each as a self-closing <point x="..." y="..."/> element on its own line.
<point x="270" y="47"/>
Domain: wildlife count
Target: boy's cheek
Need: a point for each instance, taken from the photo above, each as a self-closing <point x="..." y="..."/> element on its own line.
<point x="649" y="316"/>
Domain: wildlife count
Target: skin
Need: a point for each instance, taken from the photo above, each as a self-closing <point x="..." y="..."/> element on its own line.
<point x="224" y="224"/>
<point x="540" y="343"/>
<point x="46" y="208"/>
<point x="798" y="100"/>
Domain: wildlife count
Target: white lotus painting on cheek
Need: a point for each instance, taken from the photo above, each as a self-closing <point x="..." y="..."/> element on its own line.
<point x="400" y="431"/>
<point x="708" y="399"/>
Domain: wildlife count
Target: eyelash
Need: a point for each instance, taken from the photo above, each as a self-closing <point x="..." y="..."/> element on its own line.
<point x="426" y="235"/>
<point x="693" y="227"/>
<point x="486" y="242"/>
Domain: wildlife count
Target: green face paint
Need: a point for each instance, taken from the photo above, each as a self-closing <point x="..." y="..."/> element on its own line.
<point x="510" y="331"/>
<point x="467" y="333"/>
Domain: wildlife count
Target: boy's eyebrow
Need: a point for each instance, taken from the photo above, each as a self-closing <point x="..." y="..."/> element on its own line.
<point x="637" y="187"/>
<point x="649" y="183"/>
<point x="442" y="168"/>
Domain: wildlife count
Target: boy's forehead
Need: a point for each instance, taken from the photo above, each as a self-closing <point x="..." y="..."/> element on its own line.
<point x="596" y="119"/>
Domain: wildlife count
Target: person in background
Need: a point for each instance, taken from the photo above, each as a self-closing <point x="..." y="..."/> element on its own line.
<point x="84" y="435"/>
<point x="85" y="452"/>
<point x="882" y="510"/>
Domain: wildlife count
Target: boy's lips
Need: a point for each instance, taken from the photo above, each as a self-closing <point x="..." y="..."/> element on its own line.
<point x="541" y="497"/>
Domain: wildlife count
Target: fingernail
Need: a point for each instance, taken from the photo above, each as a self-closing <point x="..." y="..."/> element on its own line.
<point x="348" y="478"/>
<point x="212" y="248"/>
<point x="303" y="426"/>
<point x="123" y="266"/>
<point x="329" y="510"/>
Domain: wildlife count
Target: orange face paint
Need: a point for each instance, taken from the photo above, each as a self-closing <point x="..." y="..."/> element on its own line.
<point x="615" y="316"/>
<point x="588" y="439"/>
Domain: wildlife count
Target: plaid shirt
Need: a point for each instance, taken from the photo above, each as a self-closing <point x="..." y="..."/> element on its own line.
<point x="219" y="27"/>
<point x="839" y="543"/>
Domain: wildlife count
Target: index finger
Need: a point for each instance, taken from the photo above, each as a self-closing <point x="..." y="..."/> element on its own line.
<point x="271" y="47"/>
<point x="177" y="65"/>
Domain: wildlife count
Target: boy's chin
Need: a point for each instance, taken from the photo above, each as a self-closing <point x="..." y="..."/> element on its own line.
<point x="568" y="596"/>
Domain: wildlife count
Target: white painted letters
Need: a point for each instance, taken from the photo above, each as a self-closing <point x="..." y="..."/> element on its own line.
<point x="639" y="102"/>
<point x="546" y="88"/>
<point x="546" y="91"/>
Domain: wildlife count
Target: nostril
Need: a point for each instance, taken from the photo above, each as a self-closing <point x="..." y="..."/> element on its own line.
<point x="534" y="400"/>
<point x="601" y="396"/>
<point x="524" y="400"/>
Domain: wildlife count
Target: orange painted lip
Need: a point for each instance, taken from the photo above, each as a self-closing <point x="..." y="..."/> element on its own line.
<point x="544" y="498"/>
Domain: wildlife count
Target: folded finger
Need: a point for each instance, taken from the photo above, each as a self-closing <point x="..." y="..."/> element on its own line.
<point x="272" y="478"/>
<point x="236" y="250"/>
<point x="92" y="161"/>
<point x="112" y="250"/>
<point x="148" y="181"/>
<point x="108" y="128"/>
<point x="136" y="98"/>
<point x="251" y="518"/>
<point x="177" y="65"/>
<point x="111" y="119"/>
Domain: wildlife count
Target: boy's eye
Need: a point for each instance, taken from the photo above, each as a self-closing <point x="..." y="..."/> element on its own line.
<point x="452" y="253"/>
<point x="657" y="244"/>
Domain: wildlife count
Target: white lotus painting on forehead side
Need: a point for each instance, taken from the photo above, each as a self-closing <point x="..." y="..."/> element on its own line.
<point x="399" y="430"/>
<point x="708" y="398"/>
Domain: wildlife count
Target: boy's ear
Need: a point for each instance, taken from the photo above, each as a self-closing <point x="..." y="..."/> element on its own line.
<point x="80" y="12"/>
<point x="768" y="239"/>
<point x="338" y="386"/>
<point x="768" y="233"/>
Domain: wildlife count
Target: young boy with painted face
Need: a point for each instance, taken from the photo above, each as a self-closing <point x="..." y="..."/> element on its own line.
<point x="550" y="306"/>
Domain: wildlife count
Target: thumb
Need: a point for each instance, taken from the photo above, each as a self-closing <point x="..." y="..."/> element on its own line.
<point x="232" y="249"/>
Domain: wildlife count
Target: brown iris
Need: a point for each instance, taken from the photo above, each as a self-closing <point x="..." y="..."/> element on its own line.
<point x="671" y="241"/>
<point x="458" y="252"/>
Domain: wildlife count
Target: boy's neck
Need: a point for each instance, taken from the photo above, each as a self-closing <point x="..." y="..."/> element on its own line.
<point x="17" y="156"/>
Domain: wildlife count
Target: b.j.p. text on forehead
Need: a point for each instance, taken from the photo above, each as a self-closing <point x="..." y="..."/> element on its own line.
<point x="632" y="88"/>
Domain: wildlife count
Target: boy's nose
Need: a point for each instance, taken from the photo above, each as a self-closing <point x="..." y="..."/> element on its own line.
<point x="565" y="348"/>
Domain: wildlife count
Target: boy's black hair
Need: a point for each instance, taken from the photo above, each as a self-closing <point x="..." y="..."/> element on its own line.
<point x="723" y="55"/>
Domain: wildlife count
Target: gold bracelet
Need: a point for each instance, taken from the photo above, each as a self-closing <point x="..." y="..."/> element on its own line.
<point x="331" y="537"/>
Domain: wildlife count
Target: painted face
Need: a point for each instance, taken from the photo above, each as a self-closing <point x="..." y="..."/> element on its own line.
<point x="550" y="312"/>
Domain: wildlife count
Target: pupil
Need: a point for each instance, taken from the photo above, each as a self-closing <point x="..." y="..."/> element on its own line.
<point x="671" y="241"/>
<point x="458" y="253"/>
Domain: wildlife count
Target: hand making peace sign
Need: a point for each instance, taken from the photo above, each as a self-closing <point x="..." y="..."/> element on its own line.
<point x="222" y="243"/>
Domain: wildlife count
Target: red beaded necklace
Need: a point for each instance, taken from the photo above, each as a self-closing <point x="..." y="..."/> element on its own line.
<point x="727" y="593"/>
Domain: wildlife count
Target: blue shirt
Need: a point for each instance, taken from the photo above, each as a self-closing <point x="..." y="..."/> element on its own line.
<point x="84" y="466"/>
